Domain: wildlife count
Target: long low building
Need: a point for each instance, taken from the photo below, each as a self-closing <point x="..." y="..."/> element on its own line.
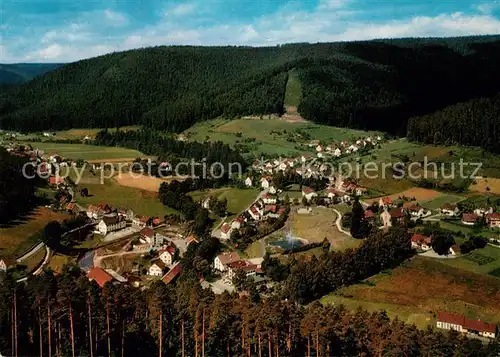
<point x="462" y="324"/>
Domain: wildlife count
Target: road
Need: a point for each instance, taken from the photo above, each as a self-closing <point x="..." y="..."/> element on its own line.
<point x="338" y="223"/>
<point x="46" y="260"/>
<point x="216" y="231"/>
<point x="33" y="250"/>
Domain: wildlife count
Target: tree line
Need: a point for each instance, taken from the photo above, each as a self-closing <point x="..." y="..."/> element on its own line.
<point x="67" y="315"/>
<point x="375" y="85"/>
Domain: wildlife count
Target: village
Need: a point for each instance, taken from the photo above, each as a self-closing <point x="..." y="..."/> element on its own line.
<point x="143" y="249"/>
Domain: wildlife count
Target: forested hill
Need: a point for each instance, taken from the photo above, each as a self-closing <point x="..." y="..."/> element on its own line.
<point x="474" y="123"/>
<point x="22" y="72"/>
<point x="367" y="85"/>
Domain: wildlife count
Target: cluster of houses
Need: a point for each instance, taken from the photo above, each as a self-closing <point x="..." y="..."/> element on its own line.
<point x="228" y="263"/>
<point x="465" y="325"/>
<point x="423" y="243"/>
<point x="316" y="168"/>
<point x="471" y="218"/>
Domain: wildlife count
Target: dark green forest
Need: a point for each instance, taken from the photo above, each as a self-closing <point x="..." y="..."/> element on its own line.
<point x="366" y="85"/>
<point x="17" y="193"/>
<point x="18" y="73"/>
<point x="473" y="123"/>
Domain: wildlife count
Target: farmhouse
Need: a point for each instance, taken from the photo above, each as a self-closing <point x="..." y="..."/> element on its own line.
<point x="156" y="268"/>
<point x="397" y="215"/>
<point x="147" y="235"/>
<point x="222" y="260"/>
<point x="462" y="324"/>
<point x="494" y="220"/>
<point x="248" y="182"/>
<point x="99" y="276"/>
<point x="269" y="199"/>
<point x="167" y="255"/>
<point x="140" y="221"/>
<point x="271" y="211"/>
<point x="237" y="223"/>
<point x="416" y="211"/>
<point x="308" y="193"/>
<point x="469" y="219"/>
<point x="55" y="180"/>
<point x="265" y="182"/>
<point x="385" y="202"/>
<point x="110" y="224"/>
<point x="254" y="213"/>
<point x="225" y="231"/>
<point x="449" y="209"/>
<point x="419" y="241"/>
<point x="249" y="268"/>
<point x="272" y="190"/>
<point x="482" y="211"/>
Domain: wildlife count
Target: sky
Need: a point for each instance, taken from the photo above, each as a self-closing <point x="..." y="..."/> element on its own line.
<point x="70" y="30"/>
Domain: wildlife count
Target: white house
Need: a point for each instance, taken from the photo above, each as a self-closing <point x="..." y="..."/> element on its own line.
<point x="493" y="220"/>
<point x="308" y="193"/>
<point x="319" y="148"/>
<point x="156" y="268"/>
<point x="269" y="199"/>
<point x="449" y="210"/>
<point x="469" y="219"/>
<point x="147" y="235"/>
<point x="140" y="221"/>
<point x="206" y="202"/>
<point x="221" y="261"/>
<point x="225" y="231"/>
<point x="264" y="182"/>
<point x="337" y="152"/>
<point x="454" y="250"/>
<point x="416" y="211"/>
<point x="464" y="325"/>
<point x="110" y="224"/>
<point x="248" y="182"/>
<point x="419" y="241"/>
<point x="272" y="190"/>
<point x="483" y="211"/>
<point x="386" y="219"/>
<point x="167" y="255"/>
<point x="3" y="265"/>
<point x="254" y="213"/>
<point x="237" y="223"/>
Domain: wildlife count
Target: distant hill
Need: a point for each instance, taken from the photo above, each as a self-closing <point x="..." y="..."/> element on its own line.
<point x="21" y="72"/>
<point x="374" y="85"/>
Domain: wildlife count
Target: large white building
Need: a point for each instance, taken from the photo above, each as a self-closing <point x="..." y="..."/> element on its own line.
<point x="462" y="324"/>
<point x="110" y="224"/>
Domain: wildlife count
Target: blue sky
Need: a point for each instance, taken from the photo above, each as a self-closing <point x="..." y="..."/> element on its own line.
<point x="69" y="30"/>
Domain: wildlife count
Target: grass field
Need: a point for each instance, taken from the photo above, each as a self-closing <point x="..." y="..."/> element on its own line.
<point x="15" y="240"/>
<point x="420" y="194"/>
<point x="270" y="135"/>
<point x="293" y="90"/>
<point x="419" y="289"/>
<point x="437" y="202"/>
<point x="483" y="261"/>
<point x="140" y="201"/>
<point x="87" y="152"/>
<point x="486" y="185"/>
<point x="237" y="199"/>
<point x="320" y="224"/>
<point x="74" y="134"/>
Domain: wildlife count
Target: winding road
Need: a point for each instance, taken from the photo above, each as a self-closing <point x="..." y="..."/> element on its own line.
<point x="338" y="223"/>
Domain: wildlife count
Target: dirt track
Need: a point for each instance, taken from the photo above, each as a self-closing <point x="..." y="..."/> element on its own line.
<point x="147" y="183"/>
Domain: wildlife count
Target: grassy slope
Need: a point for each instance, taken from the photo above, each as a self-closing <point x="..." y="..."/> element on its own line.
<point x="293" y="90"/>
<point x="87" y="152"/>
<point x="267" y="142"/>
<point x="420" y="288"/>
<point x="237" y="199"/>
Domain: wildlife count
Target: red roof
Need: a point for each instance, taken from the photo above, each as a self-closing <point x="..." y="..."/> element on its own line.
<point x="191" y="238"/>
<point x="420" y="238"/>
<point x="242" y="265"/>
<point x="172" y="274"/>
<point x="225" y="228"/>
<point x="386" y="200"/>
<point x="469" y="217"/>
<point x="100" y="276"/>
<point x="396" y="213"/>
<point x="469" y="324"/>
<point x="307" y="190"/>
<point x="369" y="214"/>
<point x="226" y="258"/>
<point x="271" y="208"/>
<point x="494" y="216"/>
<point x="147" y="232"/>
<point x="54" y="180"/>
<point x="239" y="219"/>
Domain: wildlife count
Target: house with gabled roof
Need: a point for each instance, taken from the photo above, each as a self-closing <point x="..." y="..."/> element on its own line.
<point x="308" y="193"/>
<point x="147" y="235"/>
<point x="110" y="224"/>
<point x="449" y="209"/>
<point x="99" y="276"/>
<point x="172" y="274"/>
<point x="265" y="181"/>
<point x="493" y="219"/>
<point x="156" y="268"/>
<point x="464" y="325"/>
<point x="167" y="254"/>
<point x="385" y="202"/>
<point x="469" y="219"/>
<point x="248" y="182"/>
<point x="225" y="231"/>
<point x="419" y="241"/>
<point x="222" y="260"/>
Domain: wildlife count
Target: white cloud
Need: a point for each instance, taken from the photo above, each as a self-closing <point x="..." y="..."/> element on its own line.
<point x="181" y="9"/>
<point x="115" y="18"/>
<point x="332" y="20"/>
<point x="487" y="8"/>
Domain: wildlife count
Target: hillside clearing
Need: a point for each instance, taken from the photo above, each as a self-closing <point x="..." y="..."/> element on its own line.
<point x="422" y="287"/>
<point x="420" y="194"/>
<point x="486" y="185"/>
<point x="86" y="152"/>
<point x="439" y="201"/>
<point x="20" y="236"/>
